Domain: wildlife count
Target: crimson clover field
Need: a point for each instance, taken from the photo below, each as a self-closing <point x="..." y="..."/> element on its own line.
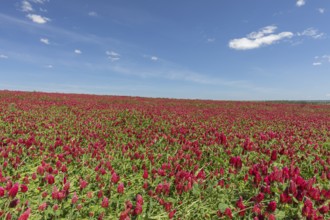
<point x="65" y="156"/>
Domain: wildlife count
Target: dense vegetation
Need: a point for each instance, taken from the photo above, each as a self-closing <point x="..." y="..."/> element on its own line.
<point x="102" y="157"/>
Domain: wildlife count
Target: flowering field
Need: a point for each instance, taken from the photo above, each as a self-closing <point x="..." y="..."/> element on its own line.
<point x="102" y="157"/>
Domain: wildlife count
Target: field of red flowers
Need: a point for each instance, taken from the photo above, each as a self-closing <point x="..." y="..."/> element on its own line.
<point x="103" y="157"/>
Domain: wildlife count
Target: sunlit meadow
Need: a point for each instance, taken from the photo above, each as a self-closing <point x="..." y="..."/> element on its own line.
<point x="65" y="156"/>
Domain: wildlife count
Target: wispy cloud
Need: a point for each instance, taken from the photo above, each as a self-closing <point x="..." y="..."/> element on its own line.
<point x="168" y="70"/>
<point x="39" y="1"/>
<point x="300" y="3"/>
<point x="313" y="33"/>
<point x="39" y="60"/>
<point x="326" y="57"/>
<point x="92" y="14"/>
<point x="112" y="53"/>
<point x="38" y="18"/>
<point x="169" y="74"/>
<point x="321" y="10"/>
<point x="319" y="60"/>
<point x="2" y="56"/>
<point x="263" y="37"/>
<point x="181" y="74"/>
<point x="43" y="10"/>
<point x="113" y="56"/>
<point x="67" y="34"/>
<point x="49" y="66"/>
<point x="154" y="58"/>
<point x="44" y="40"/>
<point x="77" y="51"/>
<point x="327" y="95"/>
<point x="210" y="40"/>
<point x="26" y="6"/>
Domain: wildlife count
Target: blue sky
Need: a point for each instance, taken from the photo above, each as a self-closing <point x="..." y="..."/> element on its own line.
<point x="204" y="49"/>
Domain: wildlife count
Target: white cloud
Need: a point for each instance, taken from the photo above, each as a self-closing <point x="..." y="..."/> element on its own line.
<point x="42" y="9"/>
<point x="26" y="6"/>
<point x="327" y="95"/>
<point x="312" y="32"/>
<point x="319" y="60"/>
<point x="112" y="53"/>
<point x="326" y="57"/>
<point x="2" y="56"/>
<point x="300" y="3"/>
<point x="44" y="40"/>
<point x="58" y="31"/>
<point x="210" y="40"/>
<point x="154" y="58"/>
<point x="92" y="14"/>
<point x="113" y="59"/>
<point x="321" y="10"/>
<point x="113" y="56"/>
<point x="260" y="38"/>
<point x="77" y="51"/>
<point x="38" y="18"/>
<point x="39" y="1"/>
<point x="266" y="30"/>
<point x="49" y="66"/>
